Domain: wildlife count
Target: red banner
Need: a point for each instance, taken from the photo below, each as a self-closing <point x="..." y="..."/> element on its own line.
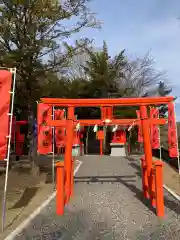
<point x="155" y="138"/>
<point x="140" y="137"/>
<point x="59" y="131"/>
<point x="5" y="88"/>
<point x="81" y="134"/>
<point x="100" y="135"/>
<point x="76" y="138"/>
<point x="44" y="132"/>
<point x="172" y="131"/>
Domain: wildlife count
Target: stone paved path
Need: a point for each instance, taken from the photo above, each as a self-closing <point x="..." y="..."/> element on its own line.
<point x="107" y="204"/>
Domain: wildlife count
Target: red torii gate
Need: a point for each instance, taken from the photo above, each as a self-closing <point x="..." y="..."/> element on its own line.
<point x="149" y="169"/>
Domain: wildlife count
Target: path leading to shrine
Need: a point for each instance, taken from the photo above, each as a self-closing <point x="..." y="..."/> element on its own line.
<point x="107" y="204"/>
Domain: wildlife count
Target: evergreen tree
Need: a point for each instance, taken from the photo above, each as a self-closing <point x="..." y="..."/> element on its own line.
<point x="163" y="90"/>
<point x="160" y="90"/>
<point x="104" y="73"/>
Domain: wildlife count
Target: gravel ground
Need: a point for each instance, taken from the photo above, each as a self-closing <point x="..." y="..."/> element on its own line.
<point x="24" y="190"/>
<point x="107" y="204"/>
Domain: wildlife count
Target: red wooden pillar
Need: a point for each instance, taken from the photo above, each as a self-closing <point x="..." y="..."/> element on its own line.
<point x="60" y="196"/>
<point x="101" y="147"/>
<point x="147" y="145"/>
<point x="153" y="187"/>
<point x="72" y="177"/>
<point x="159" y="188"/>
<point x="144" y="178"/>
<point x="68" y="152"/>
<point x="81" y="135"/>
<point x="109" y="112"/>
<point x="106" y="112"/>
<point x="100" y="137"/>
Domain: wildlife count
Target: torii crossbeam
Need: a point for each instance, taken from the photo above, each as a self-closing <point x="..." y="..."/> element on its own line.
<point x="107" y="101"/>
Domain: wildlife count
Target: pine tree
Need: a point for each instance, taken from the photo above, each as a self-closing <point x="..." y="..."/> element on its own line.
<point x="160" y="90"/>
<point x="163" y="90"/>
<point x="104" y="73"/>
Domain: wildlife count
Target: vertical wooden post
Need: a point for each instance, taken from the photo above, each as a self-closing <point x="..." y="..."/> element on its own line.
<point x="100" y="137"/>
<point x="68" y="152"/>
<point x="81" y="149"/>
<point x="110" y="112"/>
<point x="144" y="178"/>
<point x="101" y="147"/>
<point x="60" y="196"/>
<point x="159" y="188"/>
<point x="147" y="145"/>
<point x="128" y="149"/>
<point x="106" y="113"/>
<point x="153" y="188"/>
<point x="72" y="177"/>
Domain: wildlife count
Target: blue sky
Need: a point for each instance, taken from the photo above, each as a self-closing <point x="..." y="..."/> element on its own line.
<point x="140" y="26"/>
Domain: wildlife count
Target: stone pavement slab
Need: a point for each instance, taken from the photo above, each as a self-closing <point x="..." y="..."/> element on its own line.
<point x="107" y="204"/>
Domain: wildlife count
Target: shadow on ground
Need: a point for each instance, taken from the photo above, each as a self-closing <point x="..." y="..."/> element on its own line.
<point x="27" y="196"/>
<point x="172" y="205"/>
<point x="129" y="181"/>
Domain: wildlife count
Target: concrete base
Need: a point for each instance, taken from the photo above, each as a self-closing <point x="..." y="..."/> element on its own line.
<point x="117" y="150"/>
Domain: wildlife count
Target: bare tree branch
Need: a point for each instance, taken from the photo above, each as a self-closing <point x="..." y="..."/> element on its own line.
<point x="140" y="74"/>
